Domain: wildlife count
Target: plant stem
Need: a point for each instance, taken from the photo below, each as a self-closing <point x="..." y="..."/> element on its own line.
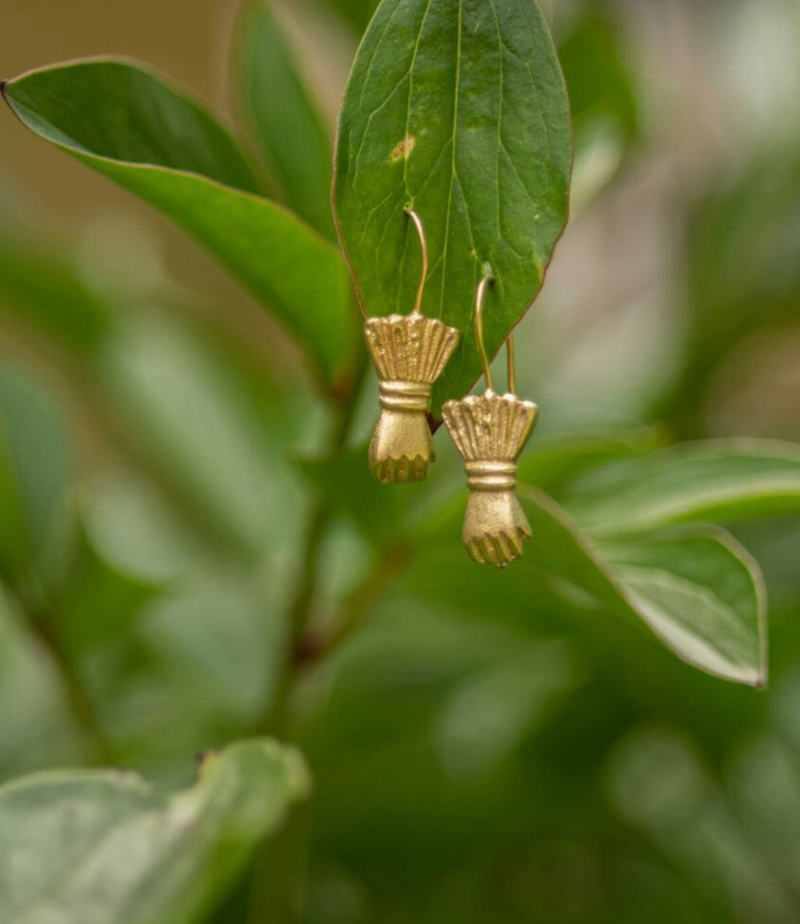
<point x="302" y="605"/>
<point x="387" y="568"/>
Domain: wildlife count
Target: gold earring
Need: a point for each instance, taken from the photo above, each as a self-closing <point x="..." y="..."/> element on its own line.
<point x="409" y="353"/>
<point x="490" y="431"/>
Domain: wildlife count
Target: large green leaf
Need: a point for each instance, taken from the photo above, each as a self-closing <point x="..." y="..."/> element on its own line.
<point x="457" y="109"/>
<point x="700" y="593"/>
<point x="287" y="124"/>
<point x="131" y="126"/>
<point x="105" y="848"/>
<point x="726" y="479"/>
<point x="706" y="601"/>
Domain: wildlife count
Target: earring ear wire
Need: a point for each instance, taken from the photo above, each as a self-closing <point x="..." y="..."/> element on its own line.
<point x="480" y="344"/>
<point x="423" y="244"/>
<point x="490" y="431"/>
<point x="480" y="297"/>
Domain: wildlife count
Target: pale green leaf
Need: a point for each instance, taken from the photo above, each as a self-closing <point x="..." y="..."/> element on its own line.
<point x="722" y="480"/>
<point x="102" y="847"/>
<point x="702" y="594"/>
<point x="699" y="592"/>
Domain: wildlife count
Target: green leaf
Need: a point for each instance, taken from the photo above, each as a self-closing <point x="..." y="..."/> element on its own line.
<point x="98" y="847"/>
<point x="699" y="592"/>
<point x="460" y="111"/>
<point x="702" y="594"/>
<point x="721" y="480"/>
<point x="131" y="126"/>
<point x="286" y="122"/>
<point x="114" y="110"/>
<point x="553" y="462"/>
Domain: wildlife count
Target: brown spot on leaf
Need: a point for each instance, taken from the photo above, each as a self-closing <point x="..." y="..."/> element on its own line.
<point x="403" y="149"/>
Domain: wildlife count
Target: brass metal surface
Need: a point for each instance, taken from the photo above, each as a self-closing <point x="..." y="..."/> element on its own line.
<point x="409" y="353"/>
<point x="490" y="431"/>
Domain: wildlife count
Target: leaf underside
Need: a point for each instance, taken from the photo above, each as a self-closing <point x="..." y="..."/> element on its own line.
<point x="133" y="127"/>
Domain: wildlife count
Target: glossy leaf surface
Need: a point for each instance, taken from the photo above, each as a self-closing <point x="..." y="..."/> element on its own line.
<point x="723" y="480"/>
<point x="458" y="110"/>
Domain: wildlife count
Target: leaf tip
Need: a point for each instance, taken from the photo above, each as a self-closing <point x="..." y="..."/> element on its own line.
<point x="5" y="87"/>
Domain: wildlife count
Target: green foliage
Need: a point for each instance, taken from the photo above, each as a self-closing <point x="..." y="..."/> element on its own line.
<point x="725" y="480"/>
<point x="193" y="553"/>
<point x="34" y="475"/>
<point x="164" y="147"/>
<point x="599" y="82"/>
<point x="462" y="115"/>
<point x="88" y="841"/>
<point x="295" y="142"/>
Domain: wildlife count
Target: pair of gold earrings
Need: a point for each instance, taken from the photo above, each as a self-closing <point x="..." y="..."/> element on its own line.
<point x="490" y="431"/>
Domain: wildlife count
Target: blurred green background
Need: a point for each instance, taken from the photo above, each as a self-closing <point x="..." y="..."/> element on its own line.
<point x="480" y="753"/>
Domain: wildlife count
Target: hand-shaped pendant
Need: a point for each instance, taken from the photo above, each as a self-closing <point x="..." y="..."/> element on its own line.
<point x="490" y="431"/>
<point x="409" y="353"/>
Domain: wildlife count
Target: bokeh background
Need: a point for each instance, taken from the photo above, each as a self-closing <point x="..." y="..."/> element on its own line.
<point x="478" y="755"/>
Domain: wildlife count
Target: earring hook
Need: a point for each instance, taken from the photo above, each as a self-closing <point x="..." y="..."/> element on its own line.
<point x="512" y="365"/>
<point x="483" y="285"/>
<point x="481" y="345"/>
<point x="424" y="247"/>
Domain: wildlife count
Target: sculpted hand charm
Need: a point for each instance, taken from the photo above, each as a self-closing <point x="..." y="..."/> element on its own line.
<point x="490" y="431"/>
<point x="409" y="353"/>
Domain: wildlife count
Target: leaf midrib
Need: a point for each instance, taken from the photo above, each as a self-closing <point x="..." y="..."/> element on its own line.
<point x="453" y="141"/>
